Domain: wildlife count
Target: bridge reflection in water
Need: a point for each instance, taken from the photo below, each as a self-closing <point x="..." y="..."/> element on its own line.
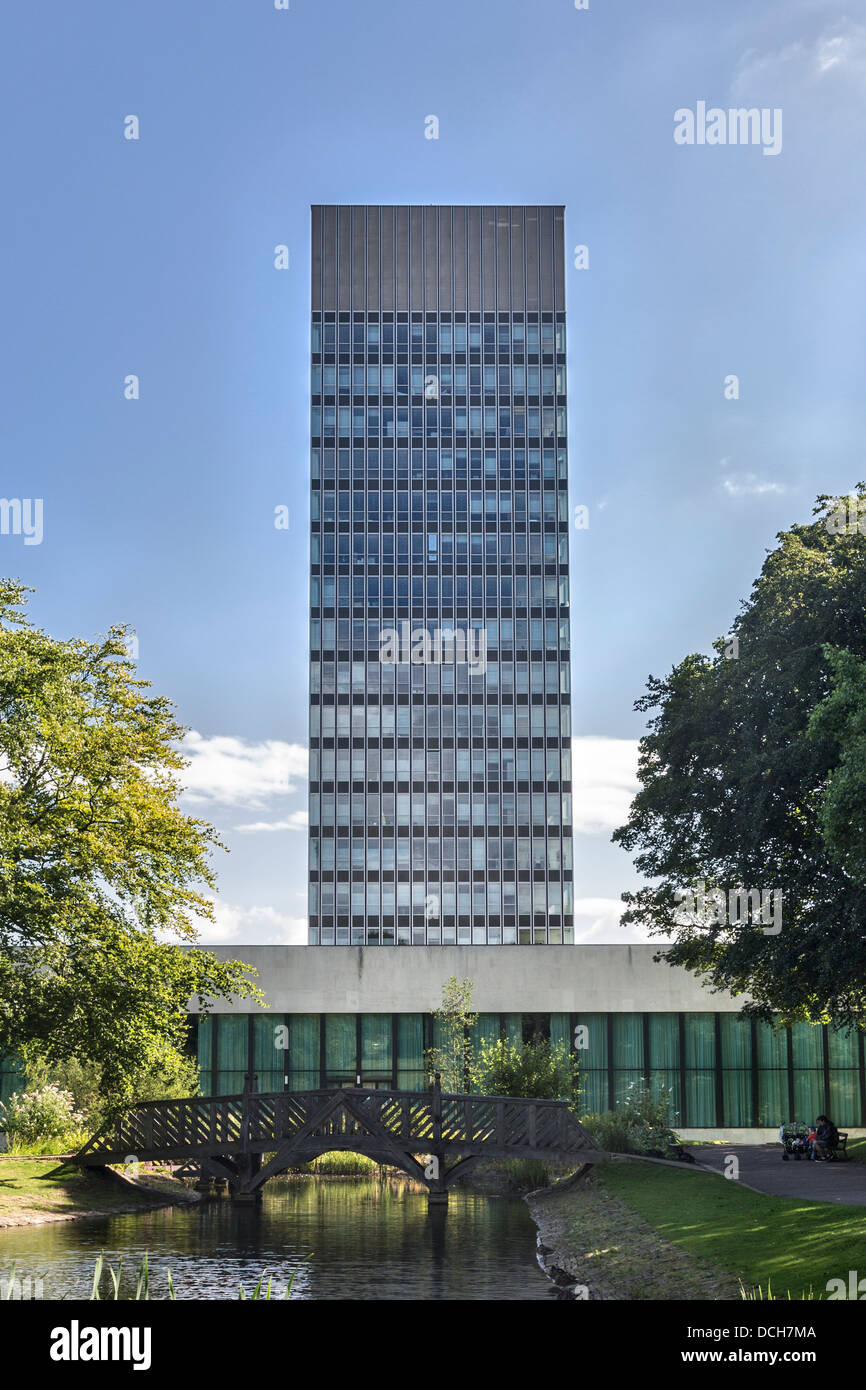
<point x="226" y="1137"/>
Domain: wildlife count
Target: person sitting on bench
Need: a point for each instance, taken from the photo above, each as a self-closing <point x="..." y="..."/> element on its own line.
<point x="826" y="1139"/>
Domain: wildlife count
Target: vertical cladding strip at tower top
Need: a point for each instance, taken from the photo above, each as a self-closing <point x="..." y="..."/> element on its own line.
<point x="440" y="790"/>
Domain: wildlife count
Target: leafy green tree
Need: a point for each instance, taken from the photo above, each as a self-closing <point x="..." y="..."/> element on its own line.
<point x="451" y="1056"/>
<point x="840" y="720"/>
<point x="101" y="875"/>
<point x="752" y="775"/>
<point x="539" y="1069"/>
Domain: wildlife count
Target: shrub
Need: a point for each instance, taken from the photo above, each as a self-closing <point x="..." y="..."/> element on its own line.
<point x="641" y="1126"/>
<point x="46" y="1113"/>
<point x="539" y="1070"/>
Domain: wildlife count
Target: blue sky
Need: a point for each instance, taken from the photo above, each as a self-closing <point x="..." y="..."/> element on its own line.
<point x="156" y="257"/>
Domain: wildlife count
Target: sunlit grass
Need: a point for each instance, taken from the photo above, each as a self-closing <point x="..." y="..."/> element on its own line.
<point x="781" y="1243"/>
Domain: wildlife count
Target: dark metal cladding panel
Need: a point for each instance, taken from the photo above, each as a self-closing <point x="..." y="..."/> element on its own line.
<point x="559" y="256"/>
<point x="461" y="280"/>
<point x="315" y="259"/>
<point x="403" y="258"/>
<point x="344" y="258"/>
<point x="373" y="214"/>
<point x="546" y="239"/>
<point x="416" y="258"/>
<point x="488" y="258"/>
<point x="329" y="259"/>
<point x="518" y="296"/>
<point x="388" y="265"/>
<point x="474" y="259"/>
<point x="431" y="258"/>
<point x="446" y="300"/>
<point x="503" y="258"/>
<point x="359" y="258"/>
<point x="531" y="259"/>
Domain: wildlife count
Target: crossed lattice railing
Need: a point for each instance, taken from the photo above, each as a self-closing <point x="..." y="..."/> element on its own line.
<point x="261" y="1120"/>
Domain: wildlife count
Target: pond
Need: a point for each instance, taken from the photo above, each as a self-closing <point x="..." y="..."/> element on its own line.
<point x="341" y="1238"/>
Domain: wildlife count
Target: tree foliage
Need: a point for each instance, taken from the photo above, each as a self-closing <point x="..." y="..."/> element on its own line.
<point x="539" y="1069"/>
<point x="753" y="774"/>
<point x="451" y="1055"/>
<point x="102" y="877"/>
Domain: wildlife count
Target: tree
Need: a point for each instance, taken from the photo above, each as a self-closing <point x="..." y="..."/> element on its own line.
<point x="100" y="872"/>
<point x="752" y="776"/>
<point x="451" y="1056"/>
<point x="539" y="1069"/>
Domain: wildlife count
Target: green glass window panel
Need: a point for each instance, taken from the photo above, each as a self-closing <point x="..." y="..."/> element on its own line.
<point x="628" y="1040"/>
<point x="664" y="1040"/>
<point x="809" y="1096"/>
<point x="514" y="1028"/>
<point x="304" y="1074"/>
<point x="772" y="1048"/>
<point x="340" y="1045"/>
<point x="411" y="1075"/>
<point x="594" y="1055"/>
<point x="12" y="1077"/>
<point x="232" y="1053"/>
<point x="204" y="1044"/>
<point x="736" y="1040"/>
<point x="843" y="1049"/>
<point x="560" y="1030"/>
<point x="700" y="1107"/>
<point x="621" y="1082"/>
<point x="376" y="1045"/>
<point x="807" y="1045"/>
<point x="485" y="1029"/>
<point x="666" y="1082"/>
<point x="268" y="1055"/>
<point x="700" y="1042"/>
<point x="737" y="1096"/>
<point x="845" y="1107"/>
<point x="232" y="1042"/>
<point x="773" y="1098"/>
<point x="593" y="1092"/>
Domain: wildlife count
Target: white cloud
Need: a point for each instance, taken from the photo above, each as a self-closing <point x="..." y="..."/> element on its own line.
<point x="296" y="821"/>
<point x="835" y="54"/>
<point x="258" y="926"/>
<point x="750" y="485"/>
<point x="233" y="772"/>
<point x="596" y="923"/>
<point x="604" y="781"/>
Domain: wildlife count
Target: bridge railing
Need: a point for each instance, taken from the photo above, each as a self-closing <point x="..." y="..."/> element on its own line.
<point x="267" y="1118"/>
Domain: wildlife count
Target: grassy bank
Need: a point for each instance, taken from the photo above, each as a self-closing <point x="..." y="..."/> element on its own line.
<point x="788" y="1242"/>
<point x="32" y="1191"/>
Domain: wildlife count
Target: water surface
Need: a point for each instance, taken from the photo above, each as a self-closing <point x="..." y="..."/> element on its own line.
<point x="342" y="1238"/>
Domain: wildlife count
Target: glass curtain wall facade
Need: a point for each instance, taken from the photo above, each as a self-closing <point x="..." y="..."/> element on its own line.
<point x="440" y="788"/>
<point x="722" y="1071"/>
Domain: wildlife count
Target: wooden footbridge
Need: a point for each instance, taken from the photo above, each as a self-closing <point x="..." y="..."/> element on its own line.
<point x="422" y="1132"/>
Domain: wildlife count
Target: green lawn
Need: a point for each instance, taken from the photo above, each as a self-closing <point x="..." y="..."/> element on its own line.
<point x="28" y="1192"/>
<point x="788" y="1242"/>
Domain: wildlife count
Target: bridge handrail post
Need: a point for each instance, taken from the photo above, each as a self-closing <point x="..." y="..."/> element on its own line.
<point x="436" y="1105"/>
<point x="250" y="1086"/>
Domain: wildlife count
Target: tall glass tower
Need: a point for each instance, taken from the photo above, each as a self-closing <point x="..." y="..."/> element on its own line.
<point x="440" y="764"/>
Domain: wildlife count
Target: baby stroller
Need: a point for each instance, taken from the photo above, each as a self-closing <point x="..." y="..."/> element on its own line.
<point x="792" y="1136"/>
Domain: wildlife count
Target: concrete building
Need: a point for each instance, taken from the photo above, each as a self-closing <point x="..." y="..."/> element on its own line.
<point x="365" y="1014"/>
<point x="440" y="757"/>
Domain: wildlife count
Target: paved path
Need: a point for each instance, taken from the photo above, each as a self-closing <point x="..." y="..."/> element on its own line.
<point x="761" y="1167"/>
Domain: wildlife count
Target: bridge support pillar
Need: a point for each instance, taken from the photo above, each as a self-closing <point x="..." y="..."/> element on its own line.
<point x="437" y="1198"/>
<point x="247" y="1199"/>
<point x="205" y="1185"/>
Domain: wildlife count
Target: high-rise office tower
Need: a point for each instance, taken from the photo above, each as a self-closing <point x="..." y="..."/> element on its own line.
<point x="440" y="760"/>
